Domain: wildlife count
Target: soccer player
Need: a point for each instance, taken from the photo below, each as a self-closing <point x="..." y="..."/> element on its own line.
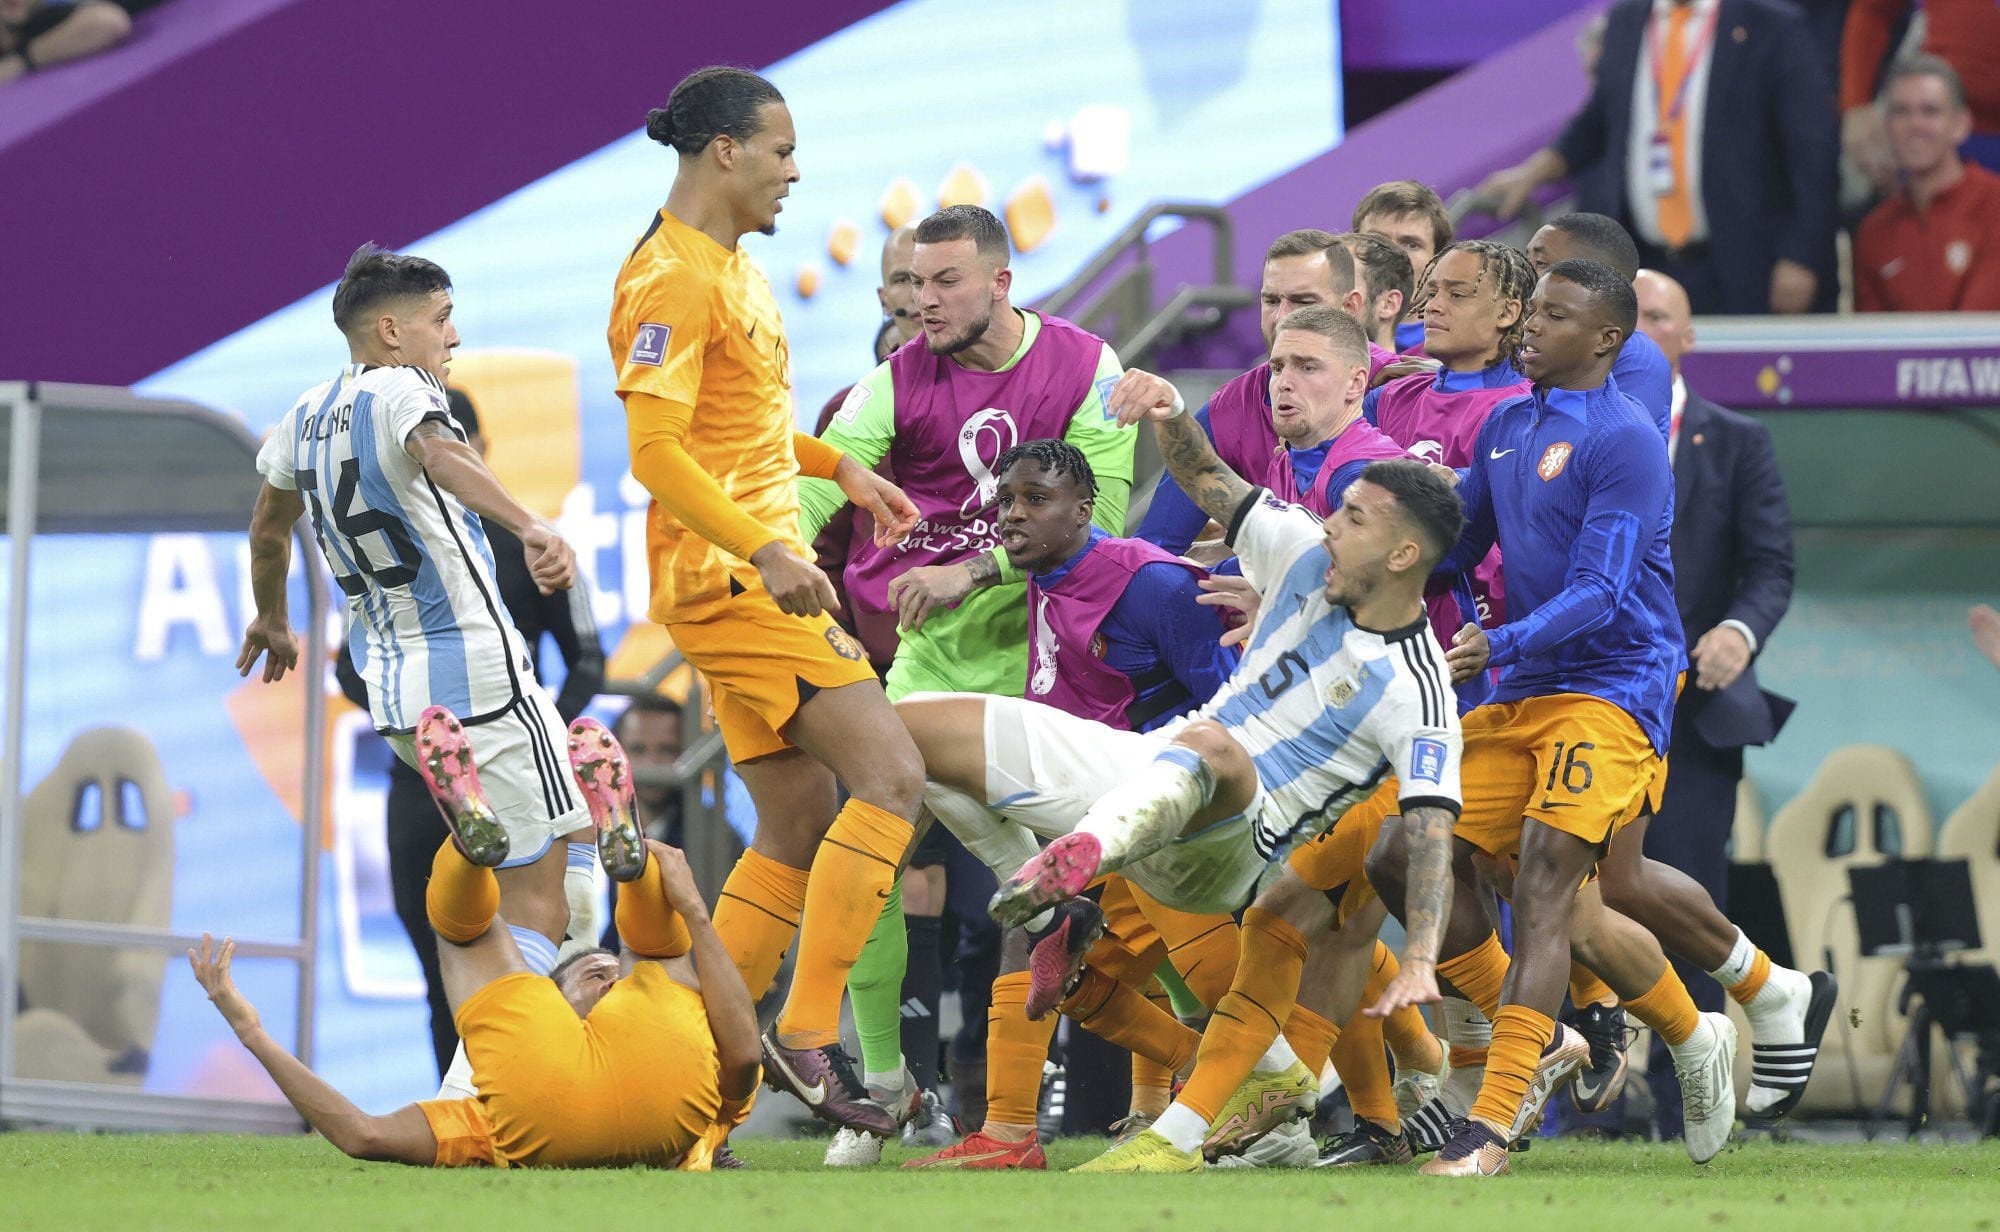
<point x="1788" y="1010"/>
<point x="1120" y="633"/>
<point x="1573" y="485"/>
<point x="1306" y="450"/>
<point x="940" y="412"/>
<point x="1387" y="284"/>
<point x="605" y="1062"/>
<point x="703" y="370"/>
<point x="1411" y="216"/>
<point x="392" y="487"/>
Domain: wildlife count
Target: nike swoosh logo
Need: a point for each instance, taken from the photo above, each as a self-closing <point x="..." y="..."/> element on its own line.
<point x="814" y="1095"/>
<point x="1555" y="804"/>
<point x="753" y="333"/>
<point x="1497" y="454"/>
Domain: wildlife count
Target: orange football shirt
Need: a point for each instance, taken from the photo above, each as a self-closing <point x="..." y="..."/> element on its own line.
<point x="694" y="323"/>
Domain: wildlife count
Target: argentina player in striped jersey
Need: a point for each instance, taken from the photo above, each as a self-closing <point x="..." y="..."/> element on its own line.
<point x="1342" y="685"/>
<point x="395" y="496"/>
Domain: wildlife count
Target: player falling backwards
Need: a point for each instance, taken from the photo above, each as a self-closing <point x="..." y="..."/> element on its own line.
<point x="1341" y="681"/>
<point x="648" y="1058"/>
<point x="703" y="370"/>
<point x="391" y="485"/>
<point x="1118" y="634"/>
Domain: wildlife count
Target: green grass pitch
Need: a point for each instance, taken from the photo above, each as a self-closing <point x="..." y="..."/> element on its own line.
<point x="65" y="1182"/>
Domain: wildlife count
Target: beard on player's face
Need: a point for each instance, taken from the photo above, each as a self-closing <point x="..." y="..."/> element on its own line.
<point x="953" y="344"/>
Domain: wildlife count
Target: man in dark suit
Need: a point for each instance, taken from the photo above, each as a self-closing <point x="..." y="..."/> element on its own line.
<point x="1732" y="550"/>
<point x="1711" y="134"/>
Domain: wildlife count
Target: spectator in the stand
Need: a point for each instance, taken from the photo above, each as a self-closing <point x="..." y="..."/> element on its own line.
<point x="1387" y="282"/>
<point x="415" y="827"/>
<point x="1713" y="123"/>
<point x="37" y="34"/>
<point x="1963" y="33"/>
<point x="1935" y="245"/>
<point x="650" y="730"/>
<point x="1411" y="216"/>
<point x="1732" y="551"/>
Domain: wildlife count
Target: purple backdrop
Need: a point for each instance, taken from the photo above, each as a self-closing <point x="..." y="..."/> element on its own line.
<point x="300" y="128"/>
<point x="1395" y="34"/>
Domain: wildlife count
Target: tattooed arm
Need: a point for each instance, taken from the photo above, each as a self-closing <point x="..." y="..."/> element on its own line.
<point x="1427" y="906"/>
<point x="924" y="589"/>
<point x="1216" y="489"/>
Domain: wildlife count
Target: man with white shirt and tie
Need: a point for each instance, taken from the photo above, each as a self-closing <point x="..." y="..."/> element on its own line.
<point x="1713" y="124"/>
<point x="1732" y="551"/>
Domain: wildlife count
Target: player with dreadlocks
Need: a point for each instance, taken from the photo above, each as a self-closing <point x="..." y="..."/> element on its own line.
<point x="1118" y="631"/>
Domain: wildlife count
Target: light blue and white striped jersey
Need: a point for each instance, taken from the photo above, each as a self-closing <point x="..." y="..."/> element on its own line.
<point x="426" y="623"/>
<point x="1324" y="707"/>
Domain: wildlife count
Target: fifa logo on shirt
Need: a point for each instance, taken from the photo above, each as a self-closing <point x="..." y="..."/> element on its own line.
<point x="1554" y="460"/>
<point x="1044" y="676"/>
<point x="649" y="345"/>
<point x="981" y="441"/>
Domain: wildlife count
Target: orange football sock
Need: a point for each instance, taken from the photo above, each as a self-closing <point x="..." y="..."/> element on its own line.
<point x="1753" y="983"/>
<point x="757" y="915"/>
<point x="852" y="873"/>
<point x="1667" y="1008"/>
<point x="1152" y="1082"/>
<point x="1478" y="975"/>
<point x="1122" y="1015"/>
<point x="1519" y="1036"/>
<point x="1362" y="1062"/>
<point x="1015" y="1050"/>
<point x="1467" y="1058"/>
<point x="462" y="898"/>
<point x="1249" y="1015"/>
<point x="1586" y="989"/>
<point x="1311" y="1037"/>
<point x="647" y="922"/>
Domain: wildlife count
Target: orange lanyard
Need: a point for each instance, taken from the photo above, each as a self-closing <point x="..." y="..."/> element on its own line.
<point x="1670" y="110"/>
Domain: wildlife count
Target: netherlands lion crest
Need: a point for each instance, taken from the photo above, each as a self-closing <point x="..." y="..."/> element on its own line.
<point x="843" y="643"/>
<point x="1553" y="461"/>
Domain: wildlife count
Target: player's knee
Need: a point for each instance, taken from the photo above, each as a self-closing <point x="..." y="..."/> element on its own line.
<point x="893" y="781"/>
<point x="1296" y="903"/>
<point x="1213" y="744"/>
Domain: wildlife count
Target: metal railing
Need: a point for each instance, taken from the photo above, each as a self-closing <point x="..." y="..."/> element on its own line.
<point x="1119" y="308"/>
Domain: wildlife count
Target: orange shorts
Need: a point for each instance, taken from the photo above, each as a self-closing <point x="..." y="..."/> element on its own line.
<point x="633" y="1083"/>
<point x="1335" y="863"/>
<point x="1140" y="932"/>
<point x="1573" y="762"/>
<point x="761" y="665"/>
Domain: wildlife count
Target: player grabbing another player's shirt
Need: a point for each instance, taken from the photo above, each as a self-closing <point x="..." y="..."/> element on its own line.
<point x="605" y="1062"/>
<point x="391" y="486"/>
<point x="703" y="371"/>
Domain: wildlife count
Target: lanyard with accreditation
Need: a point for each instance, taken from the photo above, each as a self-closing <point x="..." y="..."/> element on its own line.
<point x="1660" y="160"/>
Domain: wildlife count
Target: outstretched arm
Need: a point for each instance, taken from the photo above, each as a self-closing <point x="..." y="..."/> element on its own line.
<point x="1191" y="459"/>
<point x="403" y="1136"/>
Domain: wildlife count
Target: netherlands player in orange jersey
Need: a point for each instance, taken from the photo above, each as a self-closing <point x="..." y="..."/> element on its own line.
<point x="704" y="372"/>
<point x="648" y="1058"/>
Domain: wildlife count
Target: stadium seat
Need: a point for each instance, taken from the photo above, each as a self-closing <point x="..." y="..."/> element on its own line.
<point x="1972" y="834"/>
<point x="97" y="845"/>
<point x="1864" y="806"/>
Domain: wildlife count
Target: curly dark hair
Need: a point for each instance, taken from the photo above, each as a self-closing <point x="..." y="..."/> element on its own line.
<point x="1057" y="456"/>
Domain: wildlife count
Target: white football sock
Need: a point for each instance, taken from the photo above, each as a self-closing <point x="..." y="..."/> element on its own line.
<point x="1151" y="810"/>
<point x="583" y="886"/>
<point x="1182" y="1126"/>
<point x="1736" y="968"/>
<point x="1278" y="1058"/>
<point x="999" y="842"/>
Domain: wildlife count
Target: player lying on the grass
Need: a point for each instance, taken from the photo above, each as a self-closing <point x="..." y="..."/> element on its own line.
<point x="1338" y="688"/>
<point x="1117" y="631"/>
<point x="647" y="1058"/>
